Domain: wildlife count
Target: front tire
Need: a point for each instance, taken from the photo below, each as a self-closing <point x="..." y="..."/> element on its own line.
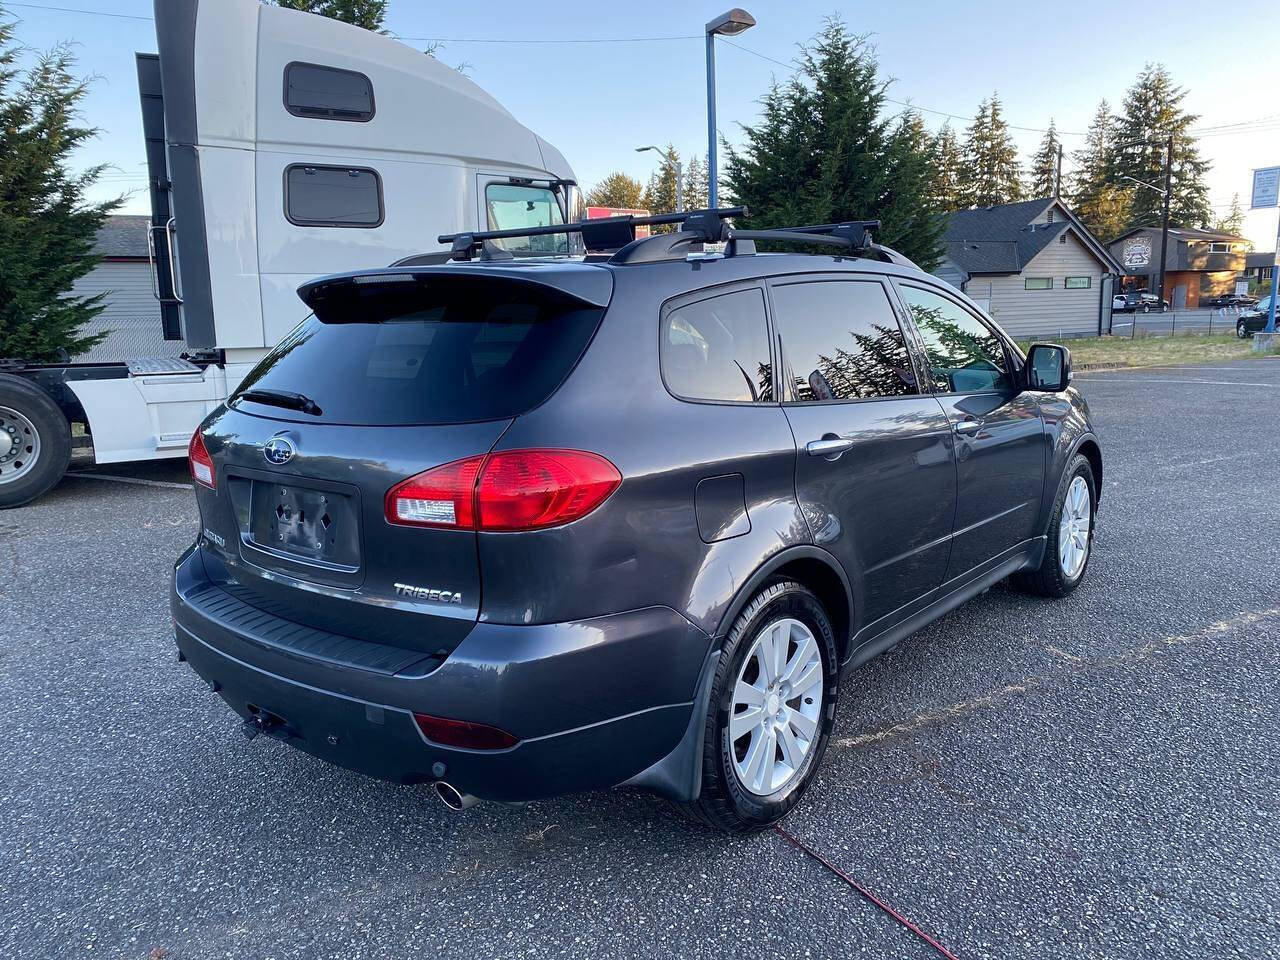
<point x="1242" y="330"/>
<point x="35" y="446"/>
<point x="771" y="711"/>
<point x="1069" y="545"/>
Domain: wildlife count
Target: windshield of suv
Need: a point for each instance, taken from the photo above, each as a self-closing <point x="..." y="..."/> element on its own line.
<point x="515" y="206"/>
<point x="437" y="350"/>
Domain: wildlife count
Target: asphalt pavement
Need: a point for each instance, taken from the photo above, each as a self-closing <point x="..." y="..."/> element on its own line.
<point x="1095" y="777"/>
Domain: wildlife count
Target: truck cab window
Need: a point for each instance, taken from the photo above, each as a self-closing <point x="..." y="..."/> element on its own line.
<point x="513" y="206"/>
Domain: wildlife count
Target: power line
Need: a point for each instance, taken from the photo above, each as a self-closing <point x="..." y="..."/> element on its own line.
<point x="94" y="13"/>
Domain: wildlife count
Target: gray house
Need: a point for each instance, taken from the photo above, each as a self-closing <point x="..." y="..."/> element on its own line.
<point x="1034" y="266"/>
<point x="131" y="314"/>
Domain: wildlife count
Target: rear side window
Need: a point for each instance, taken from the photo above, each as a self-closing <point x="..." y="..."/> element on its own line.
<point x="332" y="196"/>
<point x="841" y="341"/>
<point x="327" y="93"/>
<point x="718" y="349"/>
<point x="965" y="355"/>
<point x="447" y="350"/>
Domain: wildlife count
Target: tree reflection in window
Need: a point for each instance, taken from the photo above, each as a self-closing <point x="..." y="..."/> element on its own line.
<point x="965" y="356"/>
<point x="841" y="341"/>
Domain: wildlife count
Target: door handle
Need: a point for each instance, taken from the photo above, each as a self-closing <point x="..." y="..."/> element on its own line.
<point x="968" y="428"/>
<point x="828" y="447"/>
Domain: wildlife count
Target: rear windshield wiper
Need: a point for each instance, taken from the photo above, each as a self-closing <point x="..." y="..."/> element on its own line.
<point x="282" y="398"/>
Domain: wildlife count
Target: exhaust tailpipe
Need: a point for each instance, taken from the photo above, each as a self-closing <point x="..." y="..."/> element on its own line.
<point x="452" y="797"/>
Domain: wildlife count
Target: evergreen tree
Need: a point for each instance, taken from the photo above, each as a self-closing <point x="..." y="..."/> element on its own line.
<point x="47" y="228"/>
<point x="1098" y="197"/>
<point x="695" y="183"/>
<point x="660" y="195"/>
<point x="908" y="201"/>
<point x="1152" y="111"/>
<point x="948" y="192"/>
<point x="617" y="190"/>
<point x="362" y="13"/>
<point x="823" y="152"/>
<point x="990" y="158"/>
<point x="1233" y="222"/>
<point x="1044" y="165"/>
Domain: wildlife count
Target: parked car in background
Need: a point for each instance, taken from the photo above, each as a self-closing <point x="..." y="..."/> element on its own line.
<point x="1138" y="301"/>
<point x="520" y="527"/>
<point x="1254" y="320"/>
<point x="1233" y="300"/>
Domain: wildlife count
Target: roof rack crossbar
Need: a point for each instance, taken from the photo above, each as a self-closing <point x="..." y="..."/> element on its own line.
<point x="603" y="233"/>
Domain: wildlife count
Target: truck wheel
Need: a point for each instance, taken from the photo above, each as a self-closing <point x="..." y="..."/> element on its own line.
<point x="35" y="442"/>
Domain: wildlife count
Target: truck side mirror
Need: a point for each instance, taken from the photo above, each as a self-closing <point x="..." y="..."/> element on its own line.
<point x="1048" y="367"/>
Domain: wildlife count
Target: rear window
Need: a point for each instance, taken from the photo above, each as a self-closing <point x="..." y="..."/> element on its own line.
<point x="447" y="350"/>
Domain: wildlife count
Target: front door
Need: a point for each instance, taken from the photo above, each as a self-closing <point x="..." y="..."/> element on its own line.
<point x="874" y="470"/>
<point x="999" y="435"/>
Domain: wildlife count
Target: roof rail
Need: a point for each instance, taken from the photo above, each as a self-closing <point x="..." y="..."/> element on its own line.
<point x="856" y="235"/>
<point x="606" y="233"/>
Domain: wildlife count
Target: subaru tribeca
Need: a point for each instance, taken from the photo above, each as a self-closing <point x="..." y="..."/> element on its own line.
<point x="520" y="527"/>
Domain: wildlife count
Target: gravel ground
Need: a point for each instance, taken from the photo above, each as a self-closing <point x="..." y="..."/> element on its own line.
<point x="1090" y="778"/>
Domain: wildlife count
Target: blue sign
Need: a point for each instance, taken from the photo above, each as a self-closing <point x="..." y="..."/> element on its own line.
<point x="1266" y="188"/>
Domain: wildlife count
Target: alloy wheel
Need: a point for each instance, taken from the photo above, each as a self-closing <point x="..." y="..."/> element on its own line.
<point x="777" y="706"/>
<point x="1073" y="528"/>
<point x="19" y="445"/>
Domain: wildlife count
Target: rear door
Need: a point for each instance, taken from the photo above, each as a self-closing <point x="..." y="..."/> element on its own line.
<point x="387" y="380"/>
<point x="999" y="435"/>
<point x="874" y="469"/>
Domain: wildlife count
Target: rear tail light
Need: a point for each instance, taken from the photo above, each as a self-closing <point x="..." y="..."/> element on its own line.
<point x="511" y="490"/>
<point x="200" y="462"/>
<point x="461" y="733"/>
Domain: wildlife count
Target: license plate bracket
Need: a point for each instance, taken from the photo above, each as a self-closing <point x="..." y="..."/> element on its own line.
<point x="305" y="524"/>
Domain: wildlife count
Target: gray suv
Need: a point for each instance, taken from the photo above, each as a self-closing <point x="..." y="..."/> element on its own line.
<point x="519" y="527"/>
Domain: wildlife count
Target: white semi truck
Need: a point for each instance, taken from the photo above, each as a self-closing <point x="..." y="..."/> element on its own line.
<point x="280" y="146"/>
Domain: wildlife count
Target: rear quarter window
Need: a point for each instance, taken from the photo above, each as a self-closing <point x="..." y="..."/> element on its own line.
<point x="451" y="350"/>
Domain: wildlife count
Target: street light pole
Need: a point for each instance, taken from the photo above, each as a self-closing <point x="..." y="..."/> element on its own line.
<point x="1164" y="218"/>
<point x="728" y="24"/>
<point x="679" y="172"/>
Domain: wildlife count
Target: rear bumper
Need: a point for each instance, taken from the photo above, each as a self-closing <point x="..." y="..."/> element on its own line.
<point x="594" y="703"/>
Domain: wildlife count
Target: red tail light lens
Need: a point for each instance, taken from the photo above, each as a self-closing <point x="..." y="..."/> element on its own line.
<point x="506" y="491"/>
<point x="461" y="733"/>
<point x="200" y="462"/>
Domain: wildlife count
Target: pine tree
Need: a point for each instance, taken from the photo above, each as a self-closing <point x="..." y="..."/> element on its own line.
<point x="948" y="192"/>
<point x="1098" y="197"/>
<point x="695" y="183"/>
<point x="990" y="158"/>
<point x="660" y="195"/>
<point x="1044" y="165"/>
<point x="362" y="13"/>
<point x="824" y="152"/>
<point x="47" y="228"/>
<point x="1233" y="222"/>
<point x="1152" y="111"/>
<point x="617" y="190"/>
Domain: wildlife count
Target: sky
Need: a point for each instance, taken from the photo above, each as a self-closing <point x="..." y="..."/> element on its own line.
<point x="596" y="101"/>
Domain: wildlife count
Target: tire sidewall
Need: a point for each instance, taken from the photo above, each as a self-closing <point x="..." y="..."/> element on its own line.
<point x="55" y="441"/>
<point x="789" y="600"/>
<point x="1079" y="467"/>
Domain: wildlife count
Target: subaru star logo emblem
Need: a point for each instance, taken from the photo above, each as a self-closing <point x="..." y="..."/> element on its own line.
<point x="278" y="450"/>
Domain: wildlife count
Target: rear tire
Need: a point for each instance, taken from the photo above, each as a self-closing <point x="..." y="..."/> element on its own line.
<point x="789" y="612"/>
<point x="37" y="447"/>
<point x="1055" y="577"/>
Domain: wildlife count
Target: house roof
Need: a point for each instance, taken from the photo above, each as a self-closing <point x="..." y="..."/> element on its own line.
<point x="1266" y="259"/>
<point x="1185" y="233"/>
<point x="1003" y="239"/>
<point x="123" y="236"/>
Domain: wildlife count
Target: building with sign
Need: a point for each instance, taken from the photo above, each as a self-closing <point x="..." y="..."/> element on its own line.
<point x="1033" y="266"/>
<point x="1201" y="263"/>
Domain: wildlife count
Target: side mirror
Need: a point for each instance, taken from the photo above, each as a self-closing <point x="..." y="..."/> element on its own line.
<point x="1048" y="367"/>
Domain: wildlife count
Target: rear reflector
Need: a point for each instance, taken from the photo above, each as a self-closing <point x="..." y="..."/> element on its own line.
<point x="200" y="462"/>
<point x="461" y="733"/>
<point x="506" y="491"/>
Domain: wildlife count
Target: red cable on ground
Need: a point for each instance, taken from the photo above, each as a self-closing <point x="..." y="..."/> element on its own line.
<point x="796" y="841"/>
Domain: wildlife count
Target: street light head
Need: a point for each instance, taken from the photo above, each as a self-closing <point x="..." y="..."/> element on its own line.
<point x="731" y="23"/>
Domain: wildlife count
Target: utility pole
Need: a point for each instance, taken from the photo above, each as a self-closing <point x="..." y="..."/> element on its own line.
<point x="1057" y="175"/>
<point x="1164" y="219"/>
